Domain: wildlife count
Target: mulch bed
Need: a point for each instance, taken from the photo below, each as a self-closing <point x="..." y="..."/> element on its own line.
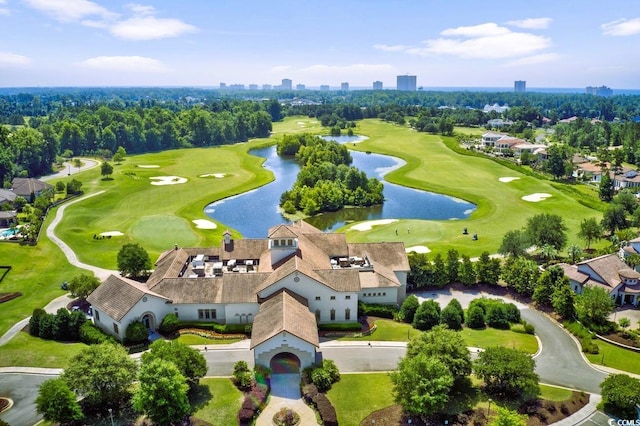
<point x="540" y="414"/>
<point x="5" y="297"/>
<point x="4" y="403"/>
<point x="618" y="338"/>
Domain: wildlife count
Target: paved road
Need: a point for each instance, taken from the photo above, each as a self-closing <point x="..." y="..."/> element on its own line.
<point x="23" y="390"/>
<point x="561" y="362"/>
<point x="70" y="169"/>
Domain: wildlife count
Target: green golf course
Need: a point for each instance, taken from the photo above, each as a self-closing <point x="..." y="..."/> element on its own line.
<point x="159" y="216"/>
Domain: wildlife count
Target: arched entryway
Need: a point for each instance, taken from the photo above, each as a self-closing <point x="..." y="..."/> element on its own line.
<point x="149" y="321"/>
<point x="285" y="363"/>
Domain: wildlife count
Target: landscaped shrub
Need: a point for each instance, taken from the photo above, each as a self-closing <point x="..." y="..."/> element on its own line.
<point x="326" y="410"/>
<point x="427" y="316"/>
<point x="254" y="402"/>
<point x="34" y="322"/>
<point x="330" y="367"/>
<point x="214" y="326"/>
<point x="589" y="346"/>
<point x="136" y="333"/>
<point x="63" y="326"/>
<point x="374" y="310"/>
<point x="475" y="317"/>
<point x="169" y="324"/>
<point x="408" y="309"/>
<point x="242" y="375"/>
<point x="309" y="392"/>
<point x="262" y="374"/>
<point x="513" y="313"/>
<point x="451" y="318"/>
<point x="321" y="379"/>
<point x="528" y="328"/>
<point x="92" y="335"/>
<point x="348" y="326"/>
<point x="497" y="317"/>
<point x="286" y="417"/>
<point x="245" y="417"/>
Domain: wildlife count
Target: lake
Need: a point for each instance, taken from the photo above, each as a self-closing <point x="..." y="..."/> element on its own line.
<point x="253" y="212"/>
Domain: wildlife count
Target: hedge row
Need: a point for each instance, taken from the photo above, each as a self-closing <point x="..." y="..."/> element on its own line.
<point x="170" y="324"/>
<point x="254" y="402"/>
<point x="382" y="311"/>
<point x="321" y="403"/>
<point x="348" y="326"/>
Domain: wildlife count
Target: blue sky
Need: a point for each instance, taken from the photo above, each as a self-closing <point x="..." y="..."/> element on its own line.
<point x="455" y="43"/>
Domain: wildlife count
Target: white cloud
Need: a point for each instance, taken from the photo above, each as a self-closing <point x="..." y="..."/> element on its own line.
<point x="487" y="41"/>
<point x="533" y="60"/>
<point x="531" y="23"/>
<point x="148" y="27"/>
<point x="4" y="11"/>
<point x="140" y="9"/>
<point x="391" y="48"/>
<point x="70" y="10"/>
<point x="622" y="27"/>
<point x="124" y="63"/>
<point x="280" y="68"/>
<point x="7" y="58"/>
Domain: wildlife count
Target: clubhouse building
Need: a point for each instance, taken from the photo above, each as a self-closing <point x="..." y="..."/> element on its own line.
<point x="283" y="285"/>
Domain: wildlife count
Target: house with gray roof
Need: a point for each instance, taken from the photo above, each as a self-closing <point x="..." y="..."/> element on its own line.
<point x="28" y="187"/>
<point x="608" y="272"/>
<point x="283" y="285"/>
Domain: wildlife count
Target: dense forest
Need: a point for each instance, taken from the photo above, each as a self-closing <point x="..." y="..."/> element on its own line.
<point x="325" y="182"/>
<point x="43" y="124"/>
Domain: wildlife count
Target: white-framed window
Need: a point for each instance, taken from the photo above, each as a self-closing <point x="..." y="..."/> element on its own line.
<point x="332" y="298"/>
<point x="115" y="328"/>
<point x="205" y="314"/>
<point x="333" y="314"/>
<point x="347" y="314"/>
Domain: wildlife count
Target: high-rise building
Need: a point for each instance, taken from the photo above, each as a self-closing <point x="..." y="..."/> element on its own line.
<point x="344" y="86"/>
<point x="253" y="87"/>
<point x="266" y="87"/>
<point x="287" y="84"/>
<point x="519" y="86"/>
<point x="599" y="91"/>
<point x="324" y="87"/>
<point x="223" y="85"/>
<point x="300" y="87"/>
<point x="406" y="83"/>
<point x="377" y="85"/>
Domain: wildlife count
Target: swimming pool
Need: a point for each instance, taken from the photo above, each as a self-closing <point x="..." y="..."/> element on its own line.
<point x="9" y="232"/>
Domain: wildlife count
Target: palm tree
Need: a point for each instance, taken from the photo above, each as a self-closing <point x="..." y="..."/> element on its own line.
<point x="575" y="252"/>
<point x="549" y="252"/>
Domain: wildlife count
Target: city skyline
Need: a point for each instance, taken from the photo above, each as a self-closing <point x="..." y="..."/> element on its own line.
<point x="201" y="43"/>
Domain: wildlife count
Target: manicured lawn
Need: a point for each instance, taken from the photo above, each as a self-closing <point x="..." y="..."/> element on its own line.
<point x="432" y="166"/>
<point x="356" y="396"/>
<point x="27" y="351"/>
<point x="494" y="337"/>
<point x="37" y="272"/>
<point x="554" y="393"/>
<point x="221" y="405"/>
<point x="615" y="357"/>
<point x="389" y="331"/>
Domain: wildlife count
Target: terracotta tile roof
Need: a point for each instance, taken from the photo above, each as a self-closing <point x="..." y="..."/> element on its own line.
<point x="288" y="312"/>
<point x="118" y="295"/>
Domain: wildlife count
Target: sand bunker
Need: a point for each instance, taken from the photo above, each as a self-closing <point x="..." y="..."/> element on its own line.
<point x="508" y="179"/>
<point x="366" y="226"/>
<point x="111" y="234"/>
<point x="215" y="175"/>
<point x="204" y="224"/>
<point x="418" y="249"/>
<point x="148" y="166"/>
<point x="538" y="196"/>
<point x="167" y="180"/>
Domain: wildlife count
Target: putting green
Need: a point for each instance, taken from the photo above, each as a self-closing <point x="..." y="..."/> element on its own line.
<point x="157" y="230"/>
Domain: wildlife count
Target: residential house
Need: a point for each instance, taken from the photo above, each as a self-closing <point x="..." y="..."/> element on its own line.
<point x="29" y="187"/>
<point x="608" y="272"/>
<point x="283" y="286"/>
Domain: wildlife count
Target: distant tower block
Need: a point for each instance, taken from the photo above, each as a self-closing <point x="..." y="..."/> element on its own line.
<point x="519" y="86"/>
<point x="286" y="84"/>
<point x="344" y="86"/>
<point x="406" y="83"/>
<point x="377" y="85"/>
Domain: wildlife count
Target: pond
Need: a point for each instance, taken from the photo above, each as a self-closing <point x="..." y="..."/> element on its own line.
<point x="253" y="212"/>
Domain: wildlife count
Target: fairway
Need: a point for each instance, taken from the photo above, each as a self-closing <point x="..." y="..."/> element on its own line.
<point x="432" y="166"/>
<point x="159" y="229"/>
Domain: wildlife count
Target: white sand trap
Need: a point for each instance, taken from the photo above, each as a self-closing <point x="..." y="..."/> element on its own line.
<point x="508" y="179"/>
<point x="215" y="175"/>
<point x="366" y="226"/>
<point x="111" y="234"/>
<point x="204" y="224"/>
<point x="538" y="196"/>
<point x="148" y="166"/>
<point x="418" y="249"/>
<point x="301" y="123"/>
<point x="167" y="180"/>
